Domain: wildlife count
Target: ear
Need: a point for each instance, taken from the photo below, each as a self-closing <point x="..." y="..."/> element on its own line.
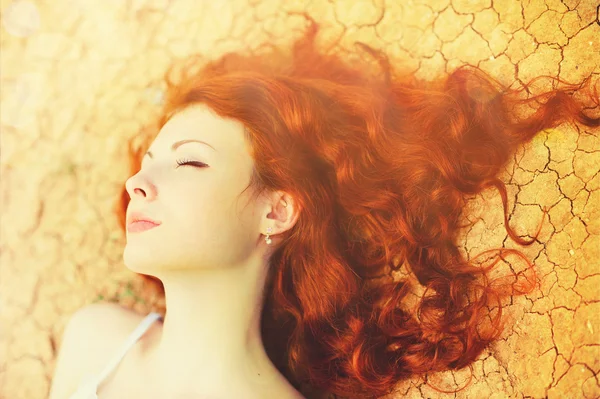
<point x="283" y="213"/>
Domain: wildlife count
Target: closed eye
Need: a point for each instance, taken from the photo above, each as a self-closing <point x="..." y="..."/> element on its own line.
<point x="196" y="164"/>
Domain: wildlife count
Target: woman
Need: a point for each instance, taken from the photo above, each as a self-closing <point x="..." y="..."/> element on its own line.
<point x="279" y="194"/>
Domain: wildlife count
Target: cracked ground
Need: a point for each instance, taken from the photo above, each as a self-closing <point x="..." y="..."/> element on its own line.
<point x="78" y="78"/>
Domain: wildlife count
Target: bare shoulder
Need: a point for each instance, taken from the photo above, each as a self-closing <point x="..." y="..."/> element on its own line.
<point x="106" y="323"/>
<point x="97" y="327"/>
<point x="101" y="320"/>
<point x="101" y="310"/>
<point x="90" y="337"/>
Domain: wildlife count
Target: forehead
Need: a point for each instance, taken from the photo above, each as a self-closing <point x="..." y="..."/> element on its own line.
<point x="199" y="121"/>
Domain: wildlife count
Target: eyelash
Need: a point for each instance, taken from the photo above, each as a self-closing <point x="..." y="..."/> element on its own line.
<point x="196" y="164"/>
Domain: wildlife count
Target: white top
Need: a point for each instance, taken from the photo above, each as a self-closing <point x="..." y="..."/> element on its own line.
<point x="88" y="386"/>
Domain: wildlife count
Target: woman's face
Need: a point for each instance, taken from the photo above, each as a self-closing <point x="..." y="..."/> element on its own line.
<point x="203" y="218"/>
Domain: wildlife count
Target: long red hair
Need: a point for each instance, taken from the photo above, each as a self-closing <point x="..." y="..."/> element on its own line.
<point x="380" y="165"/>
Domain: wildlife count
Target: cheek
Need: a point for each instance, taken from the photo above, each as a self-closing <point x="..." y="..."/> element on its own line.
<point x="214" y="213"/>
<point x="199" y="221"/>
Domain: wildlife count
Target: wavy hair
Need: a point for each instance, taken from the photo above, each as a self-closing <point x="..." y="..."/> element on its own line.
<point x="381" y="165"/>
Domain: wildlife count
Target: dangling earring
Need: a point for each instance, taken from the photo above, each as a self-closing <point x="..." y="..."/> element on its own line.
<point x="269" y="231"/>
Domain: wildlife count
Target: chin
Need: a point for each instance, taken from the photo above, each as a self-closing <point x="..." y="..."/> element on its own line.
<point x="140" y="260"/>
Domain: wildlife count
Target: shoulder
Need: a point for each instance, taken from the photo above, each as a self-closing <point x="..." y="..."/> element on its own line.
<point x="97" y="324"/>
<point x="91" y="335"/>
<point x="100" y="314"/>
<point x="100" y="326"/>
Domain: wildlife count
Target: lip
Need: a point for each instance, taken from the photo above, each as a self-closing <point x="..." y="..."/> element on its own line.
<point x="140" y="225"/>
<point x="137" y="221"/>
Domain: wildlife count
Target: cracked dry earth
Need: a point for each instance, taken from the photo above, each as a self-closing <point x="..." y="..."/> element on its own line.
<point x="79" y="77"/>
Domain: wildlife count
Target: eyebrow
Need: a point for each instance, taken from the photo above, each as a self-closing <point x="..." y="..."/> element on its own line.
<point x="180" y="143"/>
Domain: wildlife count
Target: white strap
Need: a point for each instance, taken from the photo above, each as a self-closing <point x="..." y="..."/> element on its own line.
<point x="133" y="337"/>
<point x="86" y="388"/>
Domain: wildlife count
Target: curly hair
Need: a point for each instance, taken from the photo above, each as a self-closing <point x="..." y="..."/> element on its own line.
<point x="380" y="165"/>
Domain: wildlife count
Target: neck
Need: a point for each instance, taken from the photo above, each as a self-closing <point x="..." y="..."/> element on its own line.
<point x="211" y="331"/>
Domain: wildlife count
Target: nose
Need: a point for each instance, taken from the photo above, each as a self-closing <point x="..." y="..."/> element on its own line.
<point x="138" y="184"/>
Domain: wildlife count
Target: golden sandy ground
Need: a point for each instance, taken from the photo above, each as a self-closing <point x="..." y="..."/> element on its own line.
<point x="78" y="77"/>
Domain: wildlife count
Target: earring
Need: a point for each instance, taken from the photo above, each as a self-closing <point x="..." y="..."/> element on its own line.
<point x="269" y="231"/>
